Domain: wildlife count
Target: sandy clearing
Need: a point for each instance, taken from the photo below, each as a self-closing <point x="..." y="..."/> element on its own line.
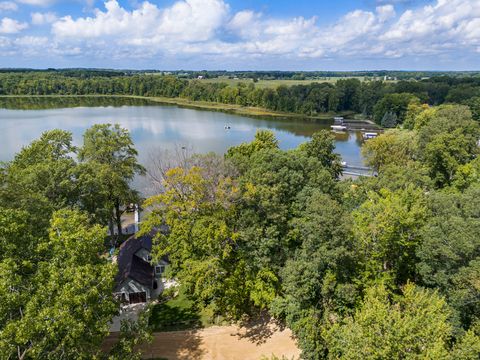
<point x="223" y="343"/>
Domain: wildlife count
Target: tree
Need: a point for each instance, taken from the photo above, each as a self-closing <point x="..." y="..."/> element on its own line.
<point x="418" y="116"/>
<point x="67" y="301"/>
<point x="451" y="237"/>
<point x="467" y="175"/>
<point x="387" y="230"/>
<point x="448" y="141"/>
<point x="264" y="139"/>
<point x="322" y="147"/>
<point x="414" y="111"/>
<point x="446" y="153"/>
<point x="464" y="294"/>
<point x="389" y="120"/>
<point x="41" y="177"/>
<point x="393" y="103"/>
<point x="474" y="105"/>
<point x="109" y="159"/>
<point x="414" y="326"/>
<point x="201" y="242"/>
<point x="394" y="147"/>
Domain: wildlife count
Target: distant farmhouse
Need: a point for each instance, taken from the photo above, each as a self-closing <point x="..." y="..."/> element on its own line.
<point x="138" y="280"/>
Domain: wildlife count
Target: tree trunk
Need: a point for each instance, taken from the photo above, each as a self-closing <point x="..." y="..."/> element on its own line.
<point x="112" y="233"/>
<point x="118" y="217"/>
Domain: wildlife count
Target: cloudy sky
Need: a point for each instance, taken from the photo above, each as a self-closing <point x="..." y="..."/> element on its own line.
<point x="242" y="34"/>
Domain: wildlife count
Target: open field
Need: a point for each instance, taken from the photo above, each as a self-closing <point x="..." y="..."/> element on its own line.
<point x="275" y="83"/>
<point x="221" y="343"/>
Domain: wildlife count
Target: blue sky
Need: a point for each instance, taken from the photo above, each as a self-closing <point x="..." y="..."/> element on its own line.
<point x="241" y="35"/>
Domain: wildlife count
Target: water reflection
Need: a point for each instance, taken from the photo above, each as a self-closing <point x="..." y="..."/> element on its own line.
<point x="153" y="126"/>
<point x="55" y="102"/>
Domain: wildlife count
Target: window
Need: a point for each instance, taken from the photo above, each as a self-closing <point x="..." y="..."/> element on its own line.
<point x="159" y="269"/>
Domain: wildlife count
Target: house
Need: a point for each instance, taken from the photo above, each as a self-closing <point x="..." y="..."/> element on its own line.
<point x="138" y="280"/>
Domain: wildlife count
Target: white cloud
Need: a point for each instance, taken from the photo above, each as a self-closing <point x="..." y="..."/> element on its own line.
<point x="37" y="2"/>
<point x="31" y="41"/>
<point x="43" y="18"/>
<point x="208" y="31"/>
<point x="189" y="20"/>
<point x="386" y="12"/>
<point x="11" y="26"/>
<point x="8" y="6"/>
<point x="436" y="28"/>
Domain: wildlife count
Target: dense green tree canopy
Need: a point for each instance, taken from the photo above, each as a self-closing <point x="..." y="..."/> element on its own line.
<point x="56" y="285"/>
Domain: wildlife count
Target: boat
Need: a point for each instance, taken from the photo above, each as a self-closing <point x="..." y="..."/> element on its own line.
<point x="338" y="127"/>
<point x="369" y="135"/>
<point x="227" y="127"/>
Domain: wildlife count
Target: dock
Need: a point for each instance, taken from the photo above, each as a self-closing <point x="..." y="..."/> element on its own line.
<point x="354" y="171"/>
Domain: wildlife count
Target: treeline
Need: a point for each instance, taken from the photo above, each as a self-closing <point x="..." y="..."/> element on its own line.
<point x="319" y="75"/>
<point x="261" y="75"/>
<point x="379" y="268"/>
<point x="375" y="99"/>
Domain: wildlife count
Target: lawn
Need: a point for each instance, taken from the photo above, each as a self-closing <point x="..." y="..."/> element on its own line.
<point x="178" y="313"/>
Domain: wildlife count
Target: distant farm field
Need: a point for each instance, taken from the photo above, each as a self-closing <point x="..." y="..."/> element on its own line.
<point x="276" y="83"/>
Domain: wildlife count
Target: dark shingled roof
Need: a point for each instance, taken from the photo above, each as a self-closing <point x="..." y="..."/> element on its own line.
<point x="130" y="265"/>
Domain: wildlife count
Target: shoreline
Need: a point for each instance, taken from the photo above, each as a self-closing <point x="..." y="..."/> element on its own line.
<point x="203" y="105"/>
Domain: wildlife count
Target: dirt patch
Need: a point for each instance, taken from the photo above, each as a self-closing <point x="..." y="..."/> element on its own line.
<point x="249" y="342"/>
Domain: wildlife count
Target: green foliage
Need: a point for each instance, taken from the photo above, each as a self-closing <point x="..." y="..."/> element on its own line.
<point x="39" y="180"/>
<point x="451" y="236"/>
<point x="67" y="291"/>
<point x="133" y="334"/>
<point x="474" y="105"/>
<point x="202" y="242"/>
<point x="260" y="229"/>
<point x="386" y="228"/>
<point x="109" y="164"/>
<point x="464" y="292"/>
<point x="394" y="104"/>
<point x="448" y="141"/>
<point x="264" y="139"/>
<point x="322" y="147"/>
<point x="315" y="96"/>
<point x="389" y="120"/>
<point x="394" y="147"/>
<point x="55" y="288"/>
<point x="414" y="326"/>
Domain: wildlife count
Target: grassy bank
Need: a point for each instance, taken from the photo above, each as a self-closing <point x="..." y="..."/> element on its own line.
<point x="242" y="110"/>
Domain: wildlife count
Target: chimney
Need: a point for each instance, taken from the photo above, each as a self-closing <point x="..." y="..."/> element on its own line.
<point x="137" y="219"/>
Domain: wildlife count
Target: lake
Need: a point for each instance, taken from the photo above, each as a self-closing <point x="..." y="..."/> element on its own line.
<point x="155" y="126"/>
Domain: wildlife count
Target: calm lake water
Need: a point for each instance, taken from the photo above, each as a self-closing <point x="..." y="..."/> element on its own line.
<point x="159" y="127"/>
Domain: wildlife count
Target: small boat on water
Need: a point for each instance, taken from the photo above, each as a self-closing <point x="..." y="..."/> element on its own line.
<point x="227" y="127"/>
<point x="338" y="127"/>
<point x="369" y="135"/>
